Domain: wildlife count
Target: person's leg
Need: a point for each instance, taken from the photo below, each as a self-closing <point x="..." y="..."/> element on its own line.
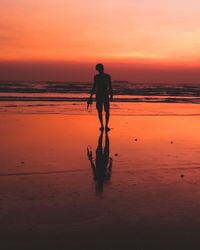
<point x="100" y="119"/>
<point x="107" y="119"/>
<point x="107" y="113"/>
<point x="99" y="106"/>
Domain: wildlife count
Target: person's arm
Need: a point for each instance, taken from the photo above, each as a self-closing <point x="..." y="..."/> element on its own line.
<point x="110" y="164"/>
<point x="93" y="88"/>
<point x="90" y="158"/>
<point x="110" y="88"/>
<point x="109" y="169"/>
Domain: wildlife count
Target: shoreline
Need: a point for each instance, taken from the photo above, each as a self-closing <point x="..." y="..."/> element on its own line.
<point x="139" y="99"/>
<point x="117" y="108"/>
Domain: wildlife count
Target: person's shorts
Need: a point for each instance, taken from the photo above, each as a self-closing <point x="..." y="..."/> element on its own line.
<point x="103" y="102"/>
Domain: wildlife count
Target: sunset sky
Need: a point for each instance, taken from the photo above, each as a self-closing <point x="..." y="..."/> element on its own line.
<point x="157" y="37"/>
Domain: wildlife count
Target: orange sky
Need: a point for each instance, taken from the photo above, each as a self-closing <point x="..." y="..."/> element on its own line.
<point x="156" y="32"/>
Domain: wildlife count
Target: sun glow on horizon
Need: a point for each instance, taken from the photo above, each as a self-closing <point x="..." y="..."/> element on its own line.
<point x="151" y="34"/>
<point x="86" y="30"/>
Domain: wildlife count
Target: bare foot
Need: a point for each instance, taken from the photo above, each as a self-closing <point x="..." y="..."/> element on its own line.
<point x="107" y="129"/>
<point x="101" y="128"/>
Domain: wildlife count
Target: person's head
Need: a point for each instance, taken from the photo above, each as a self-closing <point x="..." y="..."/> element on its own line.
<point x="100" y="68"/>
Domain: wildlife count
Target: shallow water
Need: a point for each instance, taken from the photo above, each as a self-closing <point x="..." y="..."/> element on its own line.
<point x="117" y="108"/>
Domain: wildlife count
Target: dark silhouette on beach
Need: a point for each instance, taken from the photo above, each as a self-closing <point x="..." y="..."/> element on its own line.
<point x="103" y="87"/>
<point x="102" y="166"/>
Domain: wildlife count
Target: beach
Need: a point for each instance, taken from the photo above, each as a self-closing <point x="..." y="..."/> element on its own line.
<point x="99" y="125"/>
<point x="50" y="198"/>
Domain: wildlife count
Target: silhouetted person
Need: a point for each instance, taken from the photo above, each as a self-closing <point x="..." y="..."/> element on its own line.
<point x="102" y="167"/>
<point x="103" y="87"/>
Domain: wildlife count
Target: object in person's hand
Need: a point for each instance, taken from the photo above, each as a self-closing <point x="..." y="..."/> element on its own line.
<point x="89" y="105"/>
<point x="89" y="153"/>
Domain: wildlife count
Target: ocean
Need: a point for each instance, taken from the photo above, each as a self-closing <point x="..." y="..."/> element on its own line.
<point x="71" y="97"/>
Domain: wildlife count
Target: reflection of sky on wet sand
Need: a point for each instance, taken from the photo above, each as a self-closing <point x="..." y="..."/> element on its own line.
<point x="58" y="143"/>
<point x="154" y="183"/>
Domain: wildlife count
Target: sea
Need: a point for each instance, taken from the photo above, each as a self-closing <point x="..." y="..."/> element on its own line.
<point x="48" y="97"/>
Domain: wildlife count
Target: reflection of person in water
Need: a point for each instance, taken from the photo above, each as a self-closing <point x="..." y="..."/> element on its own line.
<point x="102" y="167"/>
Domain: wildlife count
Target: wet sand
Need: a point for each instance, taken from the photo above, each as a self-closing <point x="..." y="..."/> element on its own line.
<point x="49" y="198"/>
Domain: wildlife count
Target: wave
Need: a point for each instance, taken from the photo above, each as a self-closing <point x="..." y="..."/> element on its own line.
<point x="116" y="99"/>
<point x="78" y="92"/>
